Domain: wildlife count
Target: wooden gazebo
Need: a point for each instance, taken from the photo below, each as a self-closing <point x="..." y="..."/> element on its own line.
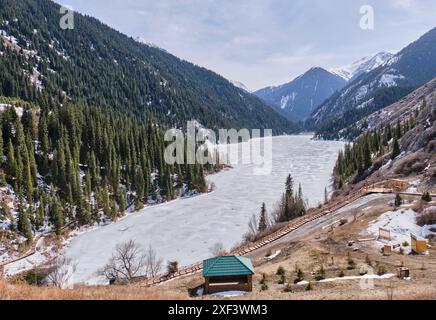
<point x="229" y="273"/>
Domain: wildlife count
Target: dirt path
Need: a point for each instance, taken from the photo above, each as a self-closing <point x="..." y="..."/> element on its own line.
<point x="322" y="224"/>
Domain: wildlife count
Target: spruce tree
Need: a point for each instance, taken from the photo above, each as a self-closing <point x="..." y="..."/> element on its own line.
<point x="427" y="197"/>
<point x="56" y="215"/>
<point x="263" y="220"/>
<point x="40" y="211"/>
<point x="398" y="200"/>
<point x="23" y="224"/>
<point x="11" y="162"/>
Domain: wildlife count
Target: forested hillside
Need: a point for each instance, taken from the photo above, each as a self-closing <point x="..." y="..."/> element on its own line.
<point x="95" y="65"/>
<point x="404" y="142"/>
<point x="79" y="164"/>
<point x="82" y="117"/>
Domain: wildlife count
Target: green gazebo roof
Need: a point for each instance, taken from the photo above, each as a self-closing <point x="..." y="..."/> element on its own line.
<point x="227" y="266"/>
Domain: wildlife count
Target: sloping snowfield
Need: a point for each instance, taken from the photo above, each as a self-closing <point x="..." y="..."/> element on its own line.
<point x="185" y="230"/>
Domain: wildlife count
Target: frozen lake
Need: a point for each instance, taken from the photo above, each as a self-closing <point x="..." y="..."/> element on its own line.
<point x="185" y="230"/>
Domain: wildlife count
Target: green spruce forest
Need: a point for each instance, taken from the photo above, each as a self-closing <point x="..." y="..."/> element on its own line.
<point x="82" y="117"/>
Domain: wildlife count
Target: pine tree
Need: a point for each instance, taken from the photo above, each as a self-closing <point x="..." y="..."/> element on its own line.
<point x="23" y="224"/>
<point x="289" y="186"/>
<point x="56" y="215"/>
<point x="40" y="212"/>
<point x="263" y="220"/>
<point x="426" y="197"/>
<point x="301" y="206"/>
<point x="11" y="162"/>
<point x="29" y="180"/>
<point x="398" y="200"/>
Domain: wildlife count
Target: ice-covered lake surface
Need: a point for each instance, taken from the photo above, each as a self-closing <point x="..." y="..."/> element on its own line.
<point x="185" y="230"/>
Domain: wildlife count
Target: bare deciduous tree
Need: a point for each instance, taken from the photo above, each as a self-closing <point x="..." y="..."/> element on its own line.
<point x="218" y="250"/>
<point x="129" y="261"/>
<point x="126" y="262"/>
<point x="252" y="229"/>
<point x="153" y="263"/>
<point x="61" y="270"/>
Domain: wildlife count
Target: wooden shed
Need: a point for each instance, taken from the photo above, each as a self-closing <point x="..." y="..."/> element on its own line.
<point x="387" y="250"/>
<point x="419" y="245"/>
<point x="228" y="273"/>
<point x="403" y="273"/>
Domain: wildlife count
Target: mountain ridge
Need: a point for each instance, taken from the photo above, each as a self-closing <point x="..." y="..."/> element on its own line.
<point x="407" y="70"/>
<point x="96" y="65"/>
<point x="299" y="97"/>
<point x="363" y="65"/>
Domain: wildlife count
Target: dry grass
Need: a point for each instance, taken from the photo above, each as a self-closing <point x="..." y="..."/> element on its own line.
<point x="27" y="292"/>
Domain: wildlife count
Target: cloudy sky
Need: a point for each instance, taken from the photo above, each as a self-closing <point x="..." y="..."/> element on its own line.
<point x="265" y="42"/>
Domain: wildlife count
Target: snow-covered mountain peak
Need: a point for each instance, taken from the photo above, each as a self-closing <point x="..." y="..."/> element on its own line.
<point x="361" y="66"/>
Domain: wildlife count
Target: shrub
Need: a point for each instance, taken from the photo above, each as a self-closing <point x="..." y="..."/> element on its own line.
<point x="381" y="270"/>
<point x="309" y="287"/>
<point x="300" y="275"/>
<point x="282" y="279"/>
<point x="321" y="274"/>
<point x="172" y="267"/>
<point x="288" y="288"/>
<point x="368" y="260"/>
<point x="398" y="200"/>
<point x="351" y="263"/>
<point x="341" y="274"/>
<point x="426" y="197"/>
<point x="264" y="279"/>
<point x="265" y="287"/>
<point x="405" y="244"/>
<point x="281" y="271"/>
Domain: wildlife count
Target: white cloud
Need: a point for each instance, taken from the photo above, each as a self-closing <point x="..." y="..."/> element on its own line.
<point x="265" y="42"/>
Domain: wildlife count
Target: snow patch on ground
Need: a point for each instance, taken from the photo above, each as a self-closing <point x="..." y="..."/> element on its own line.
<point x="402" y="224"/>
<point x="389" y="80"/>
<point x="229" y="294"/>
<point x="273" y="256"/>
<point x="364" y="277"/>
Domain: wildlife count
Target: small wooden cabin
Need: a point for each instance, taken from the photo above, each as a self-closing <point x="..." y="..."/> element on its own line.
<point x="228" y="273"/>
<point x="387" y="250"/>
<point x="419" y="245"/>
<point x="397" y="185"/>
<point x="403" y="273"/>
